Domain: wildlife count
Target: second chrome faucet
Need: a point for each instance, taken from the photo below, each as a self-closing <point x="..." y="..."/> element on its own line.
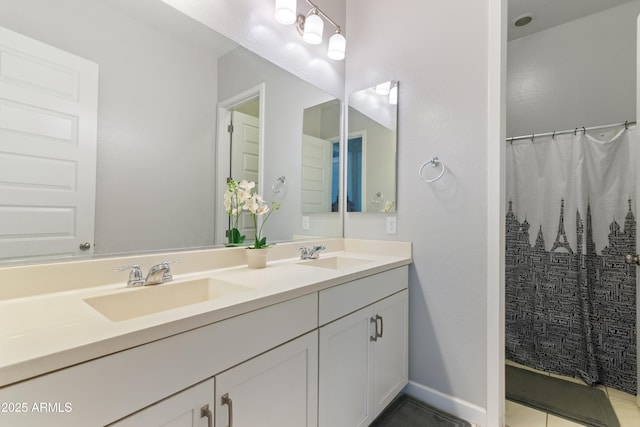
<point x="159" y="273"/>
<point x="311" y="253"/>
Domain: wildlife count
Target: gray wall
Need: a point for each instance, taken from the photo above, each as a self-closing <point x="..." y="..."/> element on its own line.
<point x="582" y="73"/>
<point x="440" y="53"/>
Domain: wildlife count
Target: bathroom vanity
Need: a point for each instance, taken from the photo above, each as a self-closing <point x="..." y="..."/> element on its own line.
<point x="301" y="343"/>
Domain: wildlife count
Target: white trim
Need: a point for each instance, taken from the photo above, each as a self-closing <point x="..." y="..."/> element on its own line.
<point x="450" y="404"/>
<point x="637" y="204"/>
<point x="495" y="245"/>
<point x="222" y="152"/>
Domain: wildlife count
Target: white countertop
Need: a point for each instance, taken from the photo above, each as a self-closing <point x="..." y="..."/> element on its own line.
<point x="46" y="332"/>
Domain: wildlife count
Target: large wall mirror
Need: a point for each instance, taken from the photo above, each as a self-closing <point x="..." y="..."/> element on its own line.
<point x="371" y="158"/>
<point x="164" y="82"/>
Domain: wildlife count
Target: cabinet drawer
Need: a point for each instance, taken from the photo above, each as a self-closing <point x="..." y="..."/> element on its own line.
<point x="341" y="300"/>
<point x="106" y="389"/>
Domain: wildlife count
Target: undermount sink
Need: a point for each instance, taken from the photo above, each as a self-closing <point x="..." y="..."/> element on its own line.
<point x="335" y="262"/>
<point x="154" y="299"/>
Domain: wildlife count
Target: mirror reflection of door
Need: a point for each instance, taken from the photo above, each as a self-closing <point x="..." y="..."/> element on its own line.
<point x="321" y="158"/>
<point x="48" y="125"/>
<point x="317" y="179"/>
<point x="244" y="141"/>
<point x="355" y="173"/>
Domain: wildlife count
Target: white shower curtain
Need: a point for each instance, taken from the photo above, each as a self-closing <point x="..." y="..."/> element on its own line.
<point x="570" y="299"/>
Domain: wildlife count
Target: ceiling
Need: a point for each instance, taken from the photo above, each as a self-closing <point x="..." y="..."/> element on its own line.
<point x="549" y="13"/>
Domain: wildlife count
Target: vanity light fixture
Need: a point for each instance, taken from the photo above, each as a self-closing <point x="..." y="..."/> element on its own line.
<point x="337" y="46"/>
<point x="383" y="88"/>
<point x="387" y="89"/>
<point x="311" y="26"/>
<point x="286" y="11"/>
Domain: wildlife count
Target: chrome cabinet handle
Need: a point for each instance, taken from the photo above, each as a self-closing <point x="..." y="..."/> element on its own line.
<point x="377" y="334"/>
<point x="206" y="412"/>
<point x="632" y="259"/>
<point x="85" y="246"/>
<point x="226" y="400"/>
<point x="374" y="337"/>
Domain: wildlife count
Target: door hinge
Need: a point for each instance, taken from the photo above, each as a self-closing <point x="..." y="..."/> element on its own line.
<point x="230" y="128"/>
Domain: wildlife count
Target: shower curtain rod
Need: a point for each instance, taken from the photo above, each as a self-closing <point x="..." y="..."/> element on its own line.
<point x="574" y="131"/>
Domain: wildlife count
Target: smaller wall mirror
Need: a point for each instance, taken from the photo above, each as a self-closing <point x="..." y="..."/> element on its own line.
<point x="371" y="149"/>
<point x="321" y="158"/>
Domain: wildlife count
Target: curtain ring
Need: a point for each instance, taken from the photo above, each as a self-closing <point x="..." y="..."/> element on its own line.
<point x="626" y="124"/>
<point x="533" y="136"/>
<point x="554" y="135"/>
<point x="584" y="130"/>
<point x="575" y="131"/>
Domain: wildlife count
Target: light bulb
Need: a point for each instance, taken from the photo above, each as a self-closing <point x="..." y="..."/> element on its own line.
<point x="286" y="11"/>
<point x="383" y="88"/>
<point x="313" y="26"/>
<point x="393" y="96"/>
<point x="337" y="46"/>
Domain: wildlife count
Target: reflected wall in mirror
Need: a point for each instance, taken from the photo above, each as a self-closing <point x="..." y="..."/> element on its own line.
<point x="321" y="158"/>
<point x="371" y="149"/>
<point x="161" y="75"/>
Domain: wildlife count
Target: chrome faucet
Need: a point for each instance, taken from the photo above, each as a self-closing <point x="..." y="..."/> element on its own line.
<point x="135" y="276"/>
<point x="159" y="273"/>
<point x="311" y="253"/>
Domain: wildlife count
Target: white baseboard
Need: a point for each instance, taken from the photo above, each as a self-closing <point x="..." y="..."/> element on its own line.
<point x="453" y="405"/>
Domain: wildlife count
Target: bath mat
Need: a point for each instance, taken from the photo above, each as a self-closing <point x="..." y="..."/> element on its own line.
<point x="405" y="411"/>
<point x="576" y="402"/>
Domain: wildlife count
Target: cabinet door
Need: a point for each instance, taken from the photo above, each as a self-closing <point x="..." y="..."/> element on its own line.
<point x="276" y="389"/>
<point x="344" y="373"/>
<point x="390" y="361"/>
<point x="185" y="409"/>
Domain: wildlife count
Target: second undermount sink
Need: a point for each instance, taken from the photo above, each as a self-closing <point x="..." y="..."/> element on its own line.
<point x="146" y="300"/>
<point x="334" y="262"/>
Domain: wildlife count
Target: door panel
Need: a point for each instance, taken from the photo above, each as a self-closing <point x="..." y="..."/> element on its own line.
<point x="345" y="354"/>
<point x="245" y="149"/>
<point x="317" y="174"/>
<point x="48" y="126"/>
<point x="278" y="388"/>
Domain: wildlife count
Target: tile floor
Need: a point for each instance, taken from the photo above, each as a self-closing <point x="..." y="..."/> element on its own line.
<point x="624" y="405"/>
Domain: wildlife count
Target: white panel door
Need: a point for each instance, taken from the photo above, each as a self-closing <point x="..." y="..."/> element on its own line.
<point x="185" y="409"/>
<point x="316" y="174"/>
<point x="48" y="125"/>
<point x="245" y="151"/>
<point x="276" y="389"/>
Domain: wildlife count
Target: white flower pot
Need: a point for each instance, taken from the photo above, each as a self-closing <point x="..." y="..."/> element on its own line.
<point x="257" y="258"/>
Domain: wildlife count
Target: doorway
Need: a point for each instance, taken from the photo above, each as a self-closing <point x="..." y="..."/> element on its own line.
<point x="585" y="89"/>
<point x="240" y="153"/>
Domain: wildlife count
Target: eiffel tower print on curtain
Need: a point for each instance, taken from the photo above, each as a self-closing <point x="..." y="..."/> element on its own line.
<point x="572" y="312"/>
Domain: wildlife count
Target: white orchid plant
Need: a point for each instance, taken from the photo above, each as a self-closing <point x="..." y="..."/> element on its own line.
<point x="241" y="197"/>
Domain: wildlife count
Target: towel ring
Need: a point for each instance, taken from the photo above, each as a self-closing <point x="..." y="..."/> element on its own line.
<point x="377" y="199"/>
<point x="434" y="162"/>
<point x="279" y="184"/>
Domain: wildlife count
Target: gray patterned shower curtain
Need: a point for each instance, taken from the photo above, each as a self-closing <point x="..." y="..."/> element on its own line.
<point x="570" y="298"/>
